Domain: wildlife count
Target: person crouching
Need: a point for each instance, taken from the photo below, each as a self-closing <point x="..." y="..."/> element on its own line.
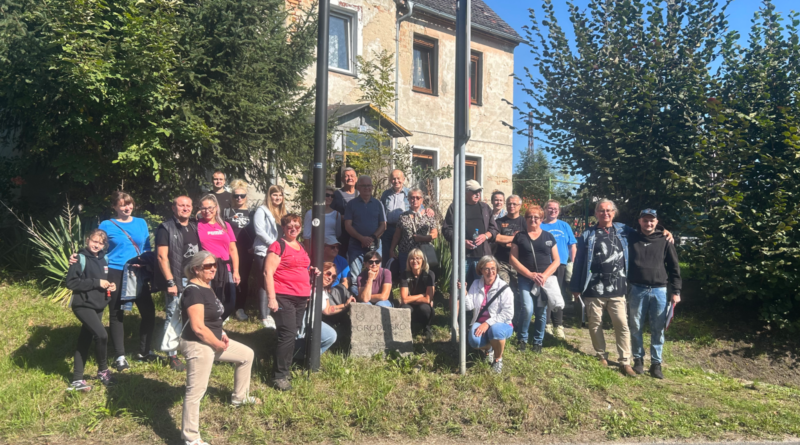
<point x="492" y="303"/>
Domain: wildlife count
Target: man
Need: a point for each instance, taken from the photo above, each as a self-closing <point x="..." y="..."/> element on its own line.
<point x="480" y="227"/>
<point x="365" y="221"/>
<point x="340" y="199"/>
<point x="395" y="202"/>
<point x="498" y="205"/>
<point x="176" y="242"/>
<point x="331" y="255"/>
<point x="565" y="241"/>
<point x="654" y="270"/>
<point x="224" y="197"/>
<point x="507" y="227"/>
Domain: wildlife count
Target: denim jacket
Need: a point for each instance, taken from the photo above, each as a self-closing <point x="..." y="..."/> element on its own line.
<point x="583" y="257"/>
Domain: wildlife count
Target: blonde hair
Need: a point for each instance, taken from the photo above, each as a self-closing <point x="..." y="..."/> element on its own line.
<point x="278" y="212"/>
<point x="417" y="253"/>
<point x="239" y="184"/>
<point x="217" y="216"/>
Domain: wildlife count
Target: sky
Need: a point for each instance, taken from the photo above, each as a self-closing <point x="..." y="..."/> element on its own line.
<point x="515" y="13"/>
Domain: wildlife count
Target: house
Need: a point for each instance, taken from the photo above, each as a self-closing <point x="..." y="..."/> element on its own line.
<point x="425" y="54"/>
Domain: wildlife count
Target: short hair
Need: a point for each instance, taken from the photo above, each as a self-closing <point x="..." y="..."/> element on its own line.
<point x="535" y="209"/>
<point x="175" y="200"/>
<point x="349" y="169"/>
<point x="120" y="195"/>
<point x="553" y="201"/>
<point x="398" y="170"/>
<point x="239" y="184"/>
<point x="220" y="172"/>
<point x="371" y="255"/>
<point x="290" y="217"/>
<point x="417" y="190"/>
<point x="414" y="253"/>
<point x="196" y="261"/>
<point x="605" y="201"/>
<point x="513" y="196"/>
<point x="98" y="232"/>
<point x="358" y="181"/>
<point x="486" y="259"/>
<point x="497" y="192"/>
<point x="330" y="188"/>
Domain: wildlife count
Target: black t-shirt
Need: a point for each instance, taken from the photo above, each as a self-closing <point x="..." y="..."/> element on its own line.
<point x="212" y="310"/>
<point x="507" y="226"/>
<point x="191" y="242"/>
<point x="543" y="245"/>
<point x="608" y="266"/>
<point x="474" y="220"/>
<point x="418" y="285"/>
<point x="225" y="200"/>
<point x="241" y="223"/>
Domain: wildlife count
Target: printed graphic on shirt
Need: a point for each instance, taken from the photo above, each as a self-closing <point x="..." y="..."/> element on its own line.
<point x="191" y="250"/>
<point x="608" y="266"/>
<point x="240" y="219"/>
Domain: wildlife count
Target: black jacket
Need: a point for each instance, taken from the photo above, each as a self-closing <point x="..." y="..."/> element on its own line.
<point x="653" y="261"/>
<point x="448" y="228"/>
<point x="175" y="255"/>
<point x="85" y="286"/>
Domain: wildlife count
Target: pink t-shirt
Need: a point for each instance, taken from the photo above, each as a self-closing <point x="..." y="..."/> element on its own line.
<point x="216" y="240"/>
<point x="486" y="315"/>
<point x="291" y="277"/>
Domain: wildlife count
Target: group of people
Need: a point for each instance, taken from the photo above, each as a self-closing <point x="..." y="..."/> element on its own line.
<point x="202" y="262"/>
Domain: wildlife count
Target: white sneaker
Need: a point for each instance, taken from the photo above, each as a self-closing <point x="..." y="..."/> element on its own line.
<point x="559" y="333"/>
<point x="241" y="315"/>
<point x="269" y="322"/>
<point x="548" y="329"/>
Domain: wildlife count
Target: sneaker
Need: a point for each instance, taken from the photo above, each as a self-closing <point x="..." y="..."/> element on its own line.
<point x="282" y="385"/>
<point x="80" y="386"/>
<point x="121" y="363"/>
<point x="269" y="322"/>
<point x="240" y="315"/>
<point x="497" y="367"/>
<point x="490" y="356"/>
<point x="149" y="357"/>
<point x="655" y="371"/>
<point x="638" y="365"/>
<point x="627" y="371"/>
<point x="105" y="377"/>
<point x="536" y="349"/>
<point x="249" y="400"/>
<point x="548" y="329"/>
<point x="195" y="442"/>
<point x="559" y="333"/>
<point x="522" y="346"/>
<point x="176" y="364"/>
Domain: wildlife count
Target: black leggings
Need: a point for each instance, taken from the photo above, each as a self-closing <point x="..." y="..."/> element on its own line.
<point x="288" y="319"/>
<point x="245" y="266"/>
<point x="147" y="309"/>
<point x="420" y="313"/>
<point x="92" y="328"/>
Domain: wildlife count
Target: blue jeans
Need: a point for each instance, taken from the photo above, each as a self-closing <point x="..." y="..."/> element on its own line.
<point x="384" y="303"/>
<point x="386" y="242"/>
<point x="642" y="301"/>
<point x="171" y="304"/>
<point x="529" y="306"/>
<point x="469" y="270"/>
<point x="355" y="256"/>
<point x="497" y="331"/>
<point x="327" y="337"/>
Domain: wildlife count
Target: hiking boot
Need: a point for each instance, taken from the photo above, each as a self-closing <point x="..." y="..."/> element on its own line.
<point x="638" y="365"/>
<point x="655" y="371"/>
<point x="249" y="400"/>
<point x="536" y="349"/>
<point x="559" y="333"/>
<point x="176" y="364"/>
<point x="105" y="377"/>
<point x="79" y="386"/>
<point x="627" y="371"/>
<point x="121" y="364"/>
<point x="497" y="367"/>
<point x="146" y="358"/>
<point x="282" y="385"/>
<point x="548" y="329"/>
<point x="603" y="361"/>
<point x="240" y="315"/>
<point x="269" y="322"/>
<point x="490" y="356"/>
<point x="522" y="346"/>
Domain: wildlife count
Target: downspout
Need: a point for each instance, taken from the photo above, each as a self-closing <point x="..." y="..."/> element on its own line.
<point x="397" y="69"/>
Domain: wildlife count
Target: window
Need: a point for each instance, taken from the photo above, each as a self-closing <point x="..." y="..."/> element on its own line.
<point x="476" y="78"/>
<point x="342" y="42"/>
<point x="427" y="160"/>
<point x="472" y="168"/>
<point x="425" y="56"/>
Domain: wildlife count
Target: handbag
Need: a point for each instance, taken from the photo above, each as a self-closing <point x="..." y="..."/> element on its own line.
<point x="427" y="249"/>
<point x="172" y="335"/>
<point x="551" y="291"/>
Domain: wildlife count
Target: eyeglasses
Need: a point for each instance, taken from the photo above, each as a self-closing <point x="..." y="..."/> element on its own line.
<point x="514" y="204"/>
<point x="414" y="198"/>
<point x="606" y="211"/>
<point x="209" y="266"/>
<point x="207" y="209"/>
<point x="373" y="262"/>
<point x="240" y="196"/>
<point x="534" y="218"/>
<point x="329" y="195"/>
<point x="490" y="269"/>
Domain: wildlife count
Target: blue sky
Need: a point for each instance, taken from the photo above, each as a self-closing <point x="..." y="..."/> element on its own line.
<point x="515" y="13"/>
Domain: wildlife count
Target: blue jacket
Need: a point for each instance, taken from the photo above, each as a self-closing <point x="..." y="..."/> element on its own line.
<point x="585" y="253"/>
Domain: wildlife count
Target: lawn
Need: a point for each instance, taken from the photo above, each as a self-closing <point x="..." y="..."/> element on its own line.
<point x="560" y="395"/>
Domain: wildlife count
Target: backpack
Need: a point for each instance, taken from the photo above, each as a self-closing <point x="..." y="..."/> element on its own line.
<point x="82" y="261"/>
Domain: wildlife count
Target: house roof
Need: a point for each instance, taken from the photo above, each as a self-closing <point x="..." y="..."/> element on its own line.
<point x="336" y="111"/>
<point x="483" y="17"/>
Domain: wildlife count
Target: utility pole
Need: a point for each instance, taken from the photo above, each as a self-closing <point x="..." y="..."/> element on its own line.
<point x="531" y="148"/>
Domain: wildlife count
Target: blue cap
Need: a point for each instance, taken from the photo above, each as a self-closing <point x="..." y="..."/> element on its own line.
<point x="650" y="212"/>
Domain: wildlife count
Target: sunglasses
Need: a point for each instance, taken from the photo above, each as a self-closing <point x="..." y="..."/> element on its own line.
<point x="373" y="262"/>
<point x="240" y="196"/>
<point x="329" y="274"/>
<point x="414" y="198"/>
<point x="329" y="195"/>
<point x="535" y="218"/>
<point x="209" y="266"/>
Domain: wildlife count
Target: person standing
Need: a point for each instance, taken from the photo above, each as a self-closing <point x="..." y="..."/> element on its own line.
<point x="415" y="227"/>
<point x="365" y="221"/>
<point x="333" y="221"/>
<point x="498" y="204"/>
<point x="224" y="197"/>
<point x="654" y="273"/>
<point x="266" y="222"/>
<point x="340" y="199"/>
<point x="566" y="242"/>
<point x="507" y="228"/>
<point x="240" y="219"/>
<point x="396" y="201"/>
<point x="128" y="237"/>
<point x="480" y="227"/>
<point x="216" y="236"/>
<point x="176" y="243"/>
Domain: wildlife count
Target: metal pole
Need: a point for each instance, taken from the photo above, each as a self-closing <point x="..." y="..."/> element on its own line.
<point x="462" y="134"/>
<point x="318" y="208"/>
<point x="457" y="246"/>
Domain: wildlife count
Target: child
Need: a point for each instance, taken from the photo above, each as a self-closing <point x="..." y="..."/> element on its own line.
<point x="88" y="279"/>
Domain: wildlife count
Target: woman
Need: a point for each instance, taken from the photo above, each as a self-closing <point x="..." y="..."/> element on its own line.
<point x="288" y="287"/>
<point x="266" y="222"/>
<point x="128" y="237"/>
<point x="327" y="333"/>
<point x="417" y="288"/>
<point x="239" y="217"/>
<point x="492" y="303"/>
<point x="534" y="254"/>
<point x="216" y="236"/>
<point x="203" y="342"/>
<point x="333" y="220"/>
<point x="374" y="282"/>
<point x="415" y="227"/>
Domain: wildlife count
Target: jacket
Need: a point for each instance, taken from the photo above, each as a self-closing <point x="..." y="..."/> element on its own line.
<point x="135" y="278"/>
<point x="500" y="311"/>
<point x="85" y="285"/>
<point x="385" y="200"/>
<point x="585" y="252"/>
<point x="654" y="261"/>
<point x="175" y="255"/>
<point x="266" y="230"/>
<point x="488" y="222"/>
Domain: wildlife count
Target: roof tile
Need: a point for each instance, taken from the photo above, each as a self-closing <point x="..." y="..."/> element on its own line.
<point x="482" y="14"/>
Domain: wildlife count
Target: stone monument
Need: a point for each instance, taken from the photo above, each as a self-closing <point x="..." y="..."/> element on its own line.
<point x="377" y="329"/>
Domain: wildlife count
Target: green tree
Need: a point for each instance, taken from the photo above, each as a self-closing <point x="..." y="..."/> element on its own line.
<point x="531" y="179"/>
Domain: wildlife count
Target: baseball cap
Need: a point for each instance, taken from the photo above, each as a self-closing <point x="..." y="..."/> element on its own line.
<point x="474" y="186"/>
<point x="649" y="212"/>
<point x="331" y="240"/>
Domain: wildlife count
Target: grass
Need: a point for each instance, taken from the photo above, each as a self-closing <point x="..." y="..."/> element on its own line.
<point x="561" y="394"/>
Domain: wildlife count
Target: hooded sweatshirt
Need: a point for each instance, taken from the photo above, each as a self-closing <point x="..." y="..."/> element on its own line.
<point x="86" y="290"/>
<point x="653" y="261"/>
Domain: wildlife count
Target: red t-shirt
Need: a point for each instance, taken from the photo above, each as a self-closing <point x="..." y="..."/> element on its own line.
<point x="291" y="276"/>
